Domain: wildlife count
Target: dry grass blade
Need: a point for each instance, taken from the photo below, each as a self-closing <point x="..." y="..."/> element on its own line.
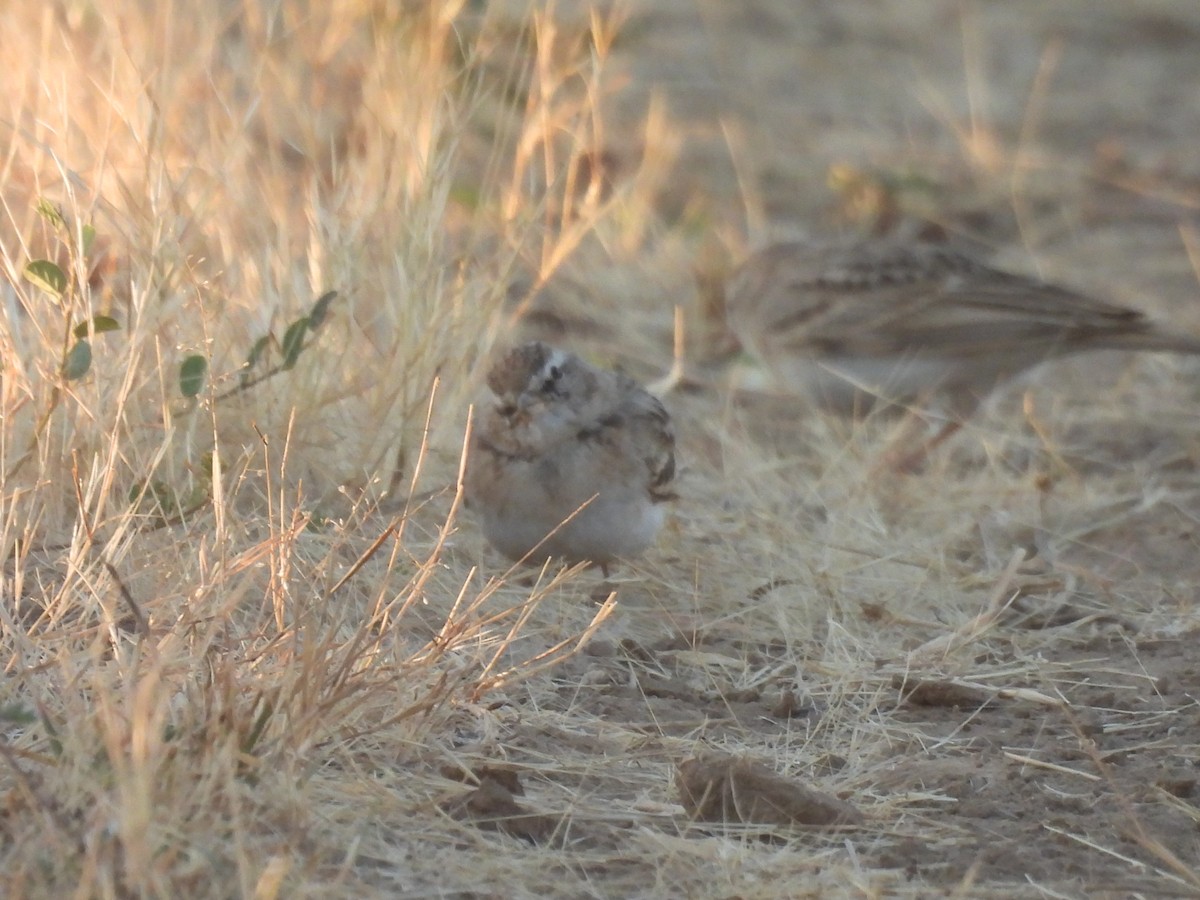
<point x="1002" y="595"/>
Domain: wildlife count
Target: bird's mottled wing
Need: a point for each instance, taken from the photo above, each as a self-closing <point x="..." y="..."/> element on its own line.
<point x="878" y="298"/>
<point x="653" y="436"/>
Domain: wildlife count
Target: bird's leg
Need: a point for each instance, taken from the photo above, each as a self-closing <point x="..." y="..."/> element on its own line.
<point x="913" y="461"/>
<point x="605" y="589"/>
<point x="898" y="458"/>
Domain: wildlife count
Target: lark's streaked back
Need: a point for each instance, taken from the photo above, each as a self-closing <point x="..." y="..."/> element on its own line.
<point x="903" y="320"/>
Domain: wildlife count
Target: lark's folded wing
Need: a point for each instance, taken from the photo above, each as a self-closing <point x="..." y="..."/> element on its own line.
<point x="883" y="298"/>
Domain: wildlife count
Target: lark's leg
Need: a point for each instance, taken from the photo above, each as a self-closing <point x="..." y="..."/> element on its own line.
<point x="902" y="457"/>
<point x="910" y="462"/>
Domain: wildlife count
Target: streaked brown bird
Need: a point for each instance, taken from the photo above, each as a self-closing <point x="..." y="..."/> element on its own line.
<point x="854" y="323"/>
<point x="569" y="460"/>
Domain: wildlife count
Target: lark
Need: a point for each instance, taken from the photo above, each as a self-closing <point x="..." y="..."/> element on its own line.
<point x="569" y="460"/>
<point x="859" y="322"/>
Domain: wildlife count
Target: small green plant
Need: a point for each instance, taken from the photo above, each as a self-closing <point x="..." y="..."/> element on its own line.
<point x="193" y="372"/>
<point x="66" y="293"/>
<point x="255" y="370"/>
<point x="167" y="505"/>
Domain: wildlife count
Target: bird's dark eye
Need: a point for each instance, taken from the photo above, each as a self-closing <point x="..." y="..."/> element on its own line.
<point x="550" y="385"/>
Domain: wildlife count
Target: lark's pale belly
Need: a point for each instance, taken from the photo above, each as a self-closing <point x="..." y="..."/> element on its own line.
<point x="604" y="530"/>
<point x="849" y="384"/>
<point x="528" y="504"/>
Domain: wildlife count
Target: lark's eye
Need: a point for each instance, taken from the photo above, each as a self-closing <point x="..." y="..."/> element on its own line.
<point x="550" y="385"/>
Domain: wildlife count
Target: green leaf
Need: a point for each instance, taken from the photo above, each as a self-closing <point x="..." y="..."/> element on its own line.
<point x="465" y="195"/>
<point x="293" y="341"/>
<point x="191" y="375"/>
<point x="78" y="361"/>
<point x="96" y="325"/>
<point x="320" y="309"/>
<point x="200" y="494"/>
<point x="18" y="714"/>
<point x="47" y="276"/>
<point x="257" y="729"/>
<point x="50" y="213"/>
<point x="56" y="746"/>
<point x="157" y="492"/>
<point x="87" y="236"/>
<point x="256" y="353"/>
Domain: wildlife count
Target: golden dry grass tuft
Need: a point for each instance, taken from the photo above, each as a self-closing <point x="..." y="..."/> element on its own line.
<point x="253" y="646"/>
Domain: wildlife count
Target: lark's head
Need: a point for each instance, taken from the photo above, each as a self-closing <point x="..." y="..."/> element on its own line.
<point x="535" y="378"/>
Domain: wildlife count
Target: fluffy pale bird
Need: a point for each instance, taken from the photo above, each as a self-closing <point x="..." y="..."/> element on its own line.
<point x="876" y="319"/>
<point x="569" y="461"/>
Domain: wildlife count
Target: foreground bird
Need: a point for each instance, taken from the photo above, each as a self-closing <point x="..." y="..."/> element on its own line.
<point x="876" y="319"/>
<point x="571" y="461"/>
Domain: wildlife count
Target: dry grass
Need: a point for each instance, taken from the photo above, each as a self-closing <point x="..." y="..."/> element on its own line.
<point x="250" y="645"/>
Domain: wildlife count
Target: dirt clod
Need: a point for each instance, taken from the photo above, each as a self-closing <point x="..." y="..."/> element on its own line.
<point x="737" y="790"/>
